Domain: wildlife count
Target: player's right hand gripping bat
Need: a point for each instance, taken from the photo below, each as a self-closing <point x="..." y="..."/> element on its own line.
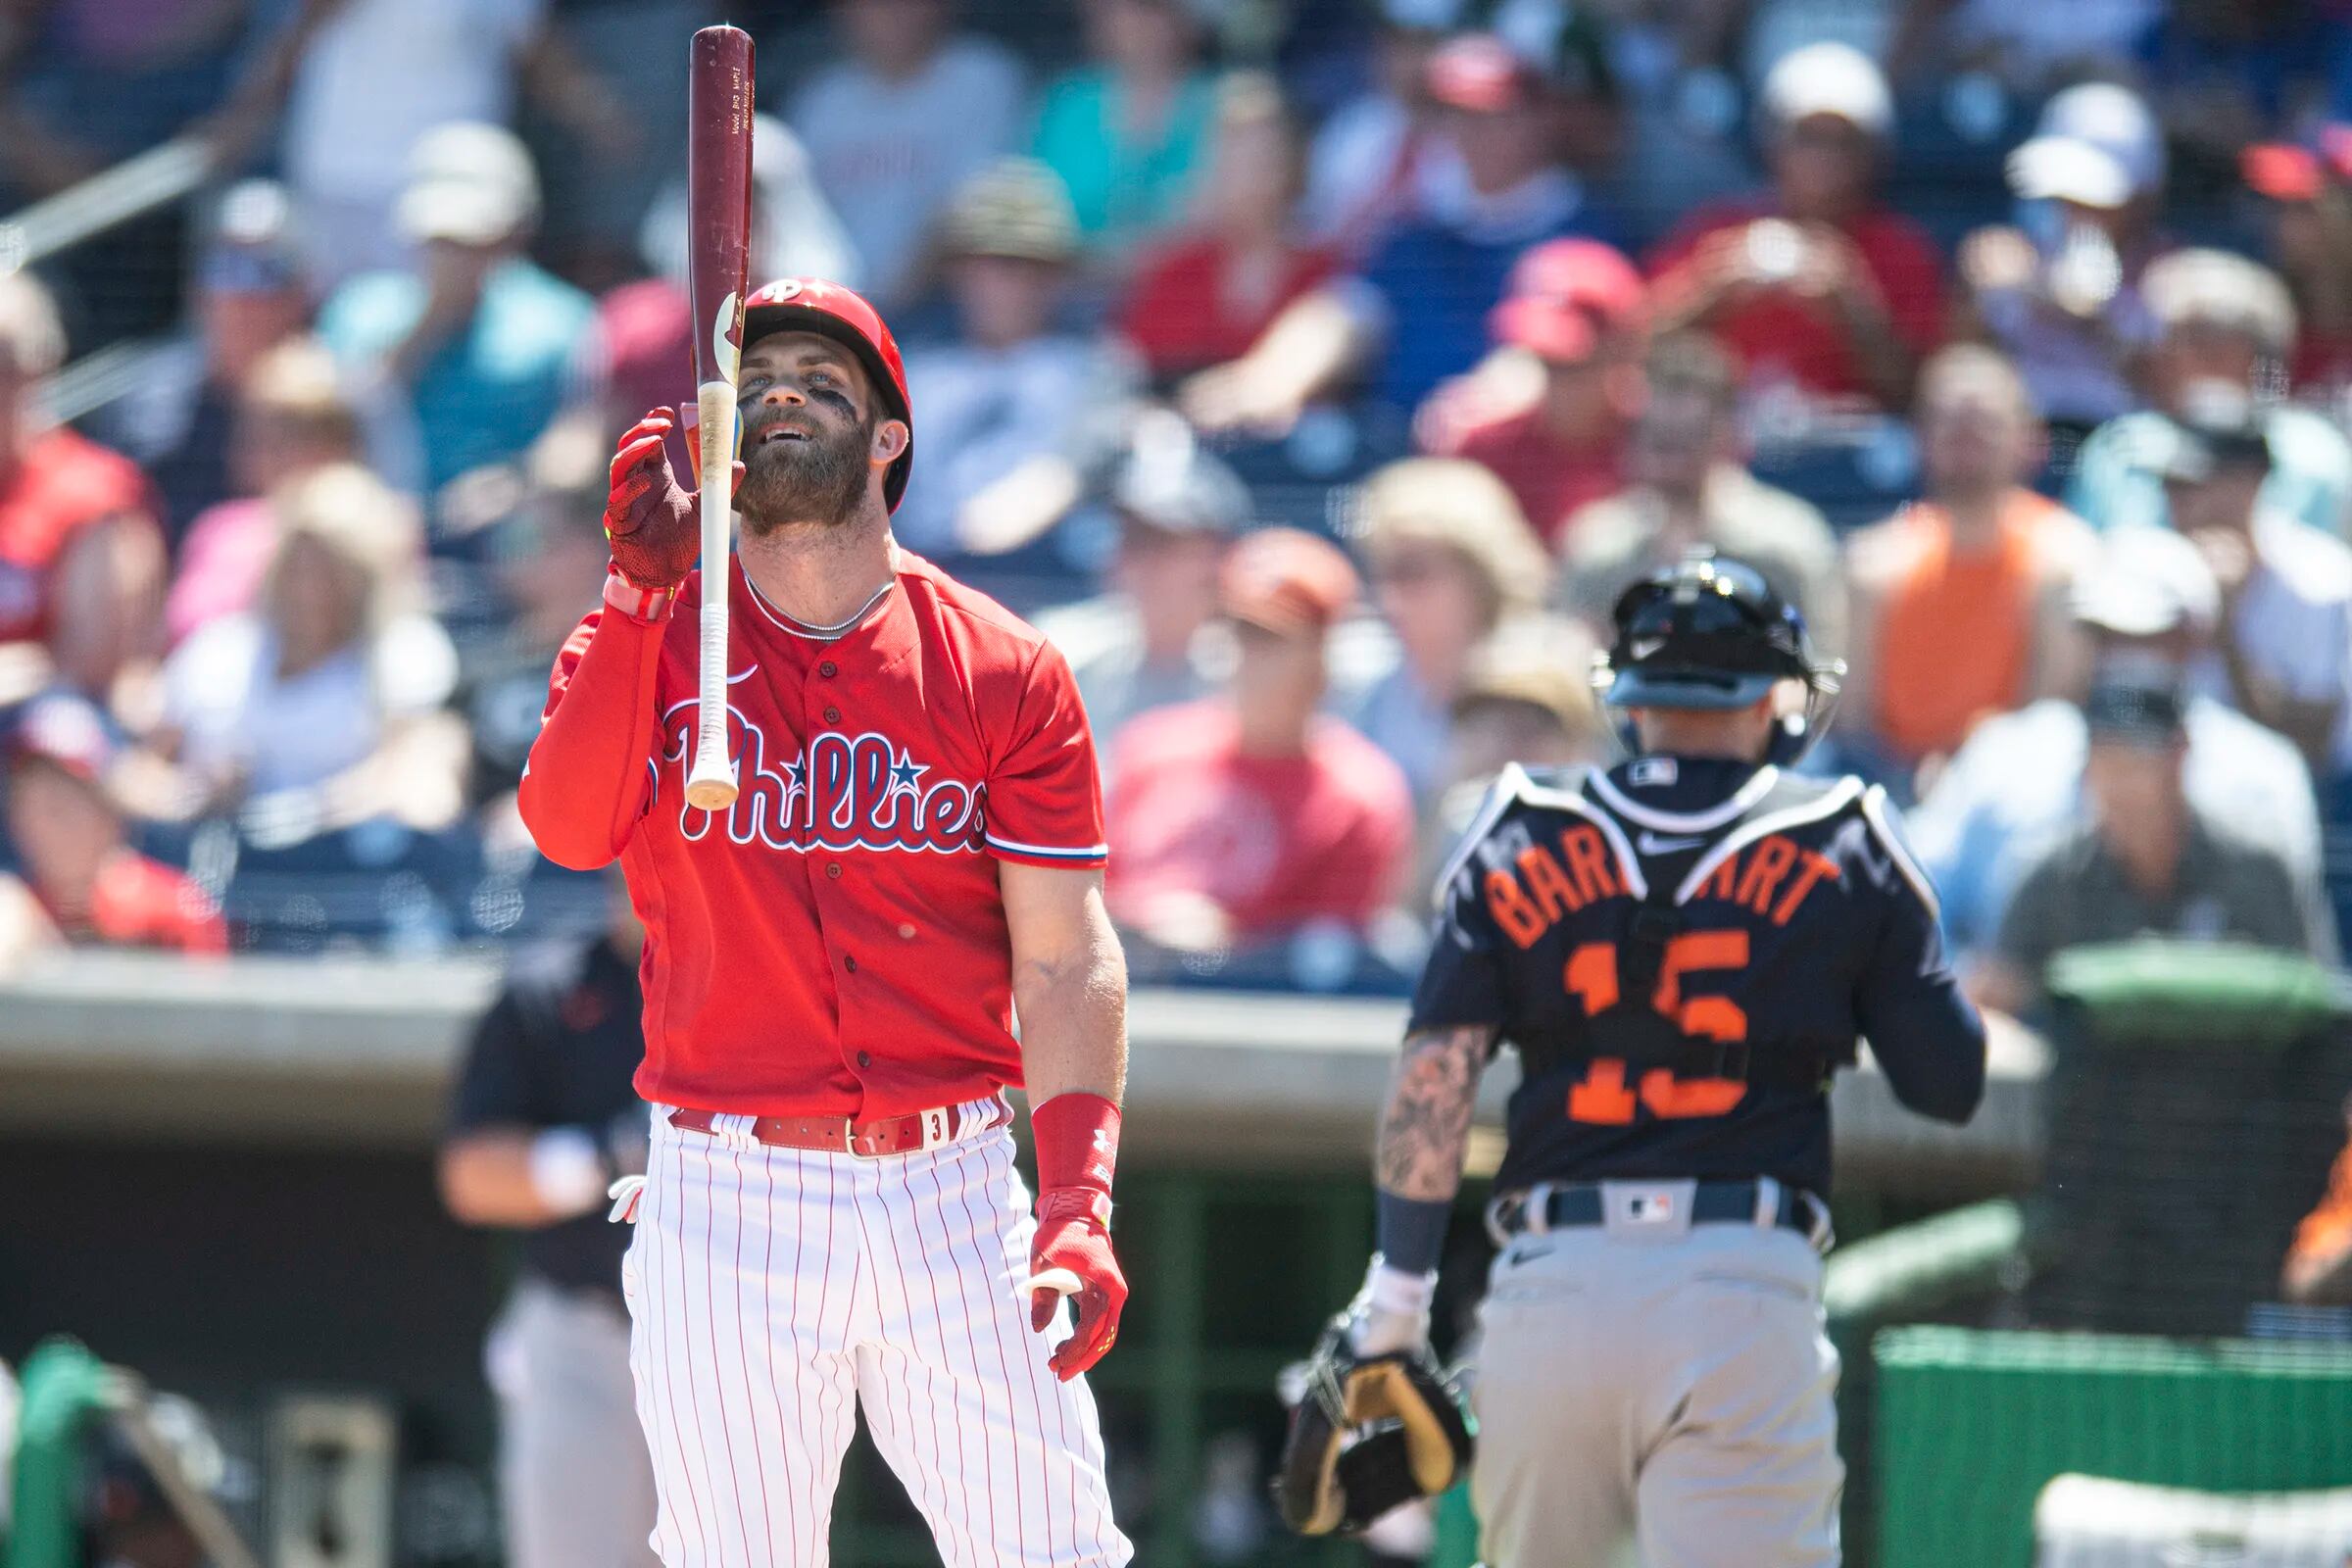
<point x="718" y="213"/>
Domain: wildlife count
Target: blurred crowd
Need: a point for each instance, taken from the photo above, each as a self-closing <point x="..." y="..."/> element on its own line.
<point x="1316" y="372"/>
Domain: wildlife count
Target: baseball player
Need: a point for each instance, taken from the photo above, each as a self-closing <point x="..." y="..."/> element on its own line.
<point x="1683" y="948"/>
<point x="830" y="1217"/>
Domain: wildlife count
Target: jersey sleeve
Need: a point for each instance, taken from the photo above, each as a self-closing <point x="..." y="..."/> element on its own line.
<point x="1928" y="1037"/>
<point x="1463" y="980"/>
<point x="1045" y="795"/>
<point x="590" y="776"/>
<point x="495" y="1083"/>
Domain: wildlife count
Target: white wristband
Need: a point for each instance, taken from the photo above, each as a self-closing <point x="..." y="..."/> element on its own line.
<point x="567" y="1171"/>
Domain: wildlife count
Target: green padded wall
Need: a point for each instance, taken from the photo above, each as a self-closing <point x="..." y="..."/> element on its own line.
<point x="1971" y="1425"/>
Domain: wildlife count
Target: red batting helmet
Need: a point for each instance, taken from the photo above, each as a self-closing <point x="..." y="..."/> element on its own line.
<point x="812" y="305"/>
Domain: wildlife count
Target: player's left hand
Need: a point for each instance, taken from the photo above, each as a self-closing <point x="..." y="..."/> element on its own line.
<point x="1071" y="1239"/>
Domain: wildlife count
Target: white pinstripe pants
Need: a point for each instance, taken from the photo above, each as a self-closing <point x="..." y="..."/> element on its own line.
<point x="772" y="1290"/>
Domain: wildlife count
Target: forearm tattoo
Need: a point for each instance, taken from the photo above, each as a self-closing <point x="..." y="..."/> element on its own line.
<point x="1426" y="1127"/>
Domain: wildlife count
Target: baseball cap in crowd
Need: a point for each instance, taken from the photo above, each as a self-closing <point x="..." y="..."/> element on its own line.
<point x="1481" y="75"/>
<point x="1565" y="296"/>
<point x="1166" y="482"/>
<point x="1829" y="78"/>
<point x="2133" y="713"/>
<point x="1015" y="208"/>
<point x="2145" y="581"/>
<point x="2096" y="145"/>
<point x="1535" y="662"/>
<point x="66" y="731"/>
<point x="253" y="247"/>
<point x="1289" y="582"/>
<point x="469" y="182"/>
<point x="2217" y="427"/>
<point x="2298" y="171"/>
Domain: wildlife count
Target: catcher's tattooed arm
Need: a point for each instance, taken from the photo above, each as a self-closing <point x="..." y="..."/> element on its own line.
<point x="1425" y="1129"/>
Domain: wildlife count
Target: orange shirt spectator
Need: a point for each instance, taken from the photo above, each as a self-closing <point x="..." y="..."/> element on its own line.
<point x="1250" y="815"/>
<point x="1197" y="301"/>
<point x="1960" y="607"/>
<point x="60" y="486"/>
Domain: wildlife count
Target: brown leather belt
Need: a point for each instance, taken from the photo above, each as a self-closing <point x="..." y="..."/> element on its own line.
<point x="838" y="1135"/>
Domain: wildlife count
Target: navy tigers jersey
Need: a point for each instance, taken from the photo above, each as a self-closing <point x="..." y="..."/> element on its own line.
<point x="1777" y="919"/>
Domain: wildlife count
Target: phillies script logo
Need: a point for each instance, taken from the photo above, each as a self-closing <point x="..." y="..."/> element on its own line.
<point x="844" y="792"/>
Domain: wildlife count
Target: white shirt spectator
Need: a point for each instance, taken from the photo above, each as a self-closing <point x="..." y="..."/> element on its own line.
<point x="986" y="412"/>
<point x="2293" y="620"/>
<point x="379" y="74"/>
<point x="238" y="718"/>
<point x="887" y="154"/>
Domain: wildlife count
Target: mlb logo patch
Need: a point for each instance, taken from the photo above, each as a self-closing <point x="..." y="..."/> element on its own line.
<point x="1651" y="771"/>
<point x="1651" y="1209"/>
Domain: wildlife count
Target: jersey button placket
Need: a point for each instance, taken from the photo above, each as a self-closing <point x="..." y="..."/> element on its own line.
<point x="832" y="716"/>
<point x="827" y="668"/>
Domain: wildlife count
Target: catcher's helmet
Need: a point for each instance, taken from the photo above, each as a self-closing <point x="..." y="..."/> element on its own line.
<point x="1708" y="633"/>
<point x="812" y="305"/>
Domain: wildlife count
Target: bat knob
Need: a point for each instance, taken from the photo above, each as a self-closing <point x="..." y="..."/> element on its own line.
<point x="1060" y="1281"/>
<point x="712" y="785"/>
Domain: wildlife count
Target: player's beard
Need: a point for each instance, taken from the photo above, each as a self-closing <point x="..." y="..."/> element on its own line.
<point x="820" y="480"/>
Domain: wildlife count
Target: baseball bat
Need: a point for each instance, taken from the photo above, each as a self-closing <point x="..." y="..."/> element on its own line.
<point x="718" y="213"/>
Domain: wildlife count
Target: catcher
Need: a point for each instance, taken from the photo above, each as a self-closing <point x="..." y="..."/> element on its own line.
<point x="1683" y="949"/>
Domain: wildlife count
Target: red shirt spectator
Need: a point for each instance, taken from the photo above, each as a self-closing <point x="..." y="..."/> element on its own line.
<point x="1247" y="816"/>
<point x="1577" y="308"/>
<point x="1778" y="333"/>
<point x="1194" y="304"/>
<point x="61" y="485"/>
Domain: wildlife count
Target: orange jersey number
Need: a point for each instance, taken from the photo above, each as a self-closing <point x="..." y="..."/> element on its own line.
<point x="1603" y="1096"/>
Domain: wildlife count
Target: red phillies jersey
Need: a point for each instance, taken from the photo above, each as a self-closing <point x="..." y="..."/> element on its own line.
<point x="835" y="944"/>
<point x="65" y="484"/>
<point x="1274" y="842"/>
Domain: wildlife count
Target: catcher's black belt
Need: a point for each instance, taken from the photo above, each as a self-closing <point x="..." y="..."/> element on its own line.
<point x="1554" y="1207"/>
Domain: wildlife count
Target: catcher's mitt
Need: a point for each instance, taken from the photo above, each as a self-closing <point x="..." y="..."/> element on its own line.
<point x="1369" y="1434"/>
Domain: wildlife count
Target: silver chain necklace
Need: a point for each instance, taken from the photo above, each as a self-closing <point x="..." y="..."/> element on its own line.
<point x="839" y="628"/>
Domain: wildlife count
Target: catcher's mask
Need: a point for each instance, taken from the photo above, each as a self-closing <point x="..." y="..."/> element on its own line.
<point x="1369" y="1434"/>
<point x="1708" y="633"/>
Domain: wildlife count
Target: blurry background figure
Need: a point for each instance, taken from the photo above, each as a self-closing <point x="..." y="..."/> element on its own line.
<point x="2283" y="642"/>
<point x="363" y="83"/>
<point x="1415" y="312"/>
<point x="332" y="685"/>
<point x="552" y="542"/>
<point x="127" y="1519"/>
<point x="1687" y="487"/>
<point x="893" y="130"/>
<point x="1230" y="1519"/>
<point x="2220" y="320"/>
<point x="2146" y="607"/>
<point x="1203" y="297"/>
<point x="1129" y="133"/>
<point x="2026" y="45"/>
<point x="1370" y="155"/>
<point x="79" y="881"/>
<point x="1250" y="817"/>
<point x="82" y="559"/>
<point x="1450" y="559"/>
<point x="543" y="1119"/>
<point x="460" y="359"/>
<point x="1548" y="413"/>
<point x="1821" y="291"/>
<point x="292" y="419"/>
<point x="2060" y="290"/>
<point x="1960" y="600"/>
<point x="2319" y="1265"/>
<point x="247" y="294"/>
<point x="1146" y="643"/>
<point x="795" y="230"/>
<point x="1017" y="407"/>
<point x="2308" y="209"/>
<point x="1527" y="699"/>
<point x="2147" y="860"/>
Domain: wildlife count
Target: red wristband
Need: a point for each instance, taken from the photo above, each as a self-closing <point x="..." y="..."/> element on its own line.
<point x="636" y="601"/>
<point x="1077" y="1142"/>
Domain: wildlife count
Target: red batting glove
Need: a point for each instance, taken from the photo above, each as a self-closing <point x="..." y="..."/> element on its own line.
<point x="650" y="518"/>
<point x="1077" y="1148"/>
